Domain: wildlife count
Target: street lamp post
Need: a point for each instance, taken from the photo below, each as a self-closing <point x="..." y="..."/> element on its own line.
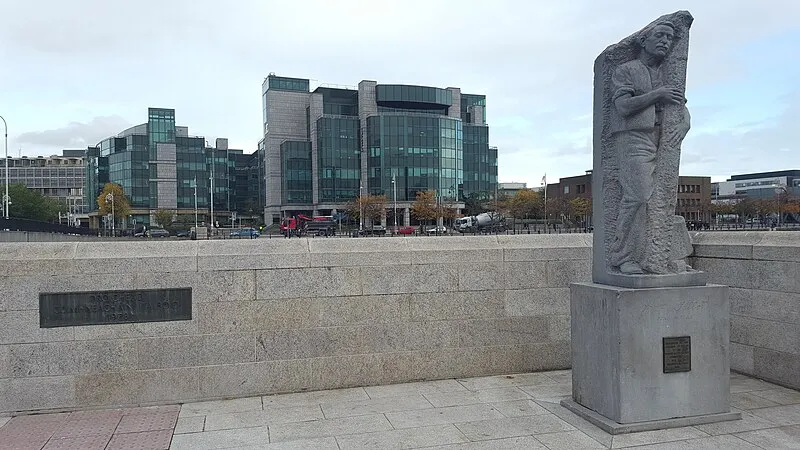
<point x="6" y="198"/>
<point x="544" y="183"/>
<point x="111" y="197"/>
<point x="212" y="189"/>
<point x="394" y="188"/>
<point x="785" y="192"/>
<point x="195" y="203"/>
<point x="360" y="208"/>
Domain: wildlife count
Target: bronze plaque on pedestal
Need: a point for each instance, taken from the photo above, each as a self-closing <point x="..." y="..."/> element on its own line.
<point x="677" y="354"/>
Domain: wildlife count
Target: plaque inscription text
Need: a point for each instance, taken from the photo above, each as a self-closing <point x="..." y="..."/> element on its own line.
<point x="66" y="309"/>
<point x="677" y="354"/>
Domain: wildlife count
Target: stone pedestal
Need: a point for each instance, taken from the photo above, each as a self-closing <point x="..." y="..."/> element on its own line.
<point x="627" y="377"/>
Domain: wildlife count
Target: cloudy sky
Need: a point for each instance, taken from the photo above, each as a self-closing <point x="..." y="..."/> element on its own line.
<point x="73" y="73"/>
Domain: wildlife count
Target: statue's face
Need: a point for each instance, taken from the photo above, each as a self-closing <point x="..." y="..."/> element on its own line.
<point x="659" y="40"/>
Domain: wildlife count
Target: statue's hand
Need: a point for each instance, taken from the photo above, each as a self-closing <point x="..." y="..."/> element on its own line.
<point x="670" y="95"/>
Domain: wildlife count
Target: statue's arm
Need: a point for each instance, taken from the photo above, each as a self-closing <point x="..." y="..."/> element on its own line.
<point x="624" y="99"/>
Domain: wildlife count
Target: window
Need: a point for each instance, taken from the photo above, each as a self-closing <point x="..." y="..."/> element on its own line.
<point x="566" y="189"/>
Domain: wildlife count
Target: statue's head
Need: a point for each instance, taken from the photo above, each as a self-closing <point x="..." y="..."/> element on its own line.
<point x="657" y="39"/>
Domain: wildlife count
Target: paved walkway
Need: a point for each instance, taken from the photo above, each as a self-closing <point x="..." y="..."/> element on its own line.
<point x="501" y="412"/>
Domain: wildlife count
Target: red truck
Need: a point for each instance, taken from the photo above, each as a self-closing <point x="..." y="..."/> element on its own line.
<point x="304" y="225"/>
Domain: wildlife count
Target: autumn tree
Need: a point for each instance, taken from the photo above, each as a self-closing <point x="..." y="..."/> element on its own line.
<point x="580" y="208"/>
<point x="525" y="203"/>
<point x="371" y="205"/>
<point x="424" y="207"/>
<point x="163" y="217"/>
<point x="120" y="205"/>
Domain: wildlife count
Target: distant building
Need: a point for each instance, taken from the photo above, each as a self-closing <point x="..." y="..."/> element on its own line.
<point x="510" y="189"/>
<point x="694" y="194"/>
<point x="760" y="185"/>
<point x="57" y="177"/>
<point x="158" y="163"/>
<point x="323" y="148"/>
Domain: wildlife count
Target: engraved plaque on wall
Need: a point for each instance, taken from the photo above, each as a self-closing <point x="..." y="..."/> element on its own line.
<point x="65" y="309"/>
<point x="677" y="354"/>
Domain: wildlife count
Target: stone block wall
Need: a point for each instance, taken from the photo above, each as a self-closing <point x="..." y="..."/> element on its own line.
<point x="286" y="315"/>
<point x="763" y="272"/>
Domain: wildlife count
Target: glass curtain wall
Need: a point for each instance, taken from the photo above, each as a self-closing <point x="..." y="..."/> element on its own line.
<point x="339" y="159"/>
<point x="296" y="165"/>
<point x="425" y="153"/>
<point x="478" y="162"/>
<point x="191" y="163"/>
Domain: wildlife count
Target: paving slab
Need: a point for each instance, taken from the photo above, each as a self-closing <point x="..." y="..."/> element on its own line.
<point x="515" y="443"/>
<point x="783" y="437"/>
<point x="656" y="437"/>
<point x="500" y="412"/>
<point x="519" y="408"/>
<point x="270" y="416"/>
<point x="221" y="406"/>
<point x="375" y="406"/>
<point x="750" y="400"/>
<point x="727" y="442"/>
<point x="328" y="427"/>
<point x="241" y="437"/>
<point x="437" y="416"/>
<point x="315" y="398"/>
<point x="474" y="397"/>
<point x="780" y="415"/>
<point x="403" y="439"/>
<point x="498" y="381"/>
<point x="151" y="440"/>
<point x="568" y="440"/>
<point x="78" y="443"/>
<point x="423" y="387"/>
<point x="192" y="424"/>
<point x="512" y="427"/>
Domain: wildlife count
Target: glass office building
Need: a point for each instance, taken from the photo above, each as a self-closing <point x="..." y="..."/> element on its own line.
<point x="160" y="166"/>
<point x="323" y="148"/>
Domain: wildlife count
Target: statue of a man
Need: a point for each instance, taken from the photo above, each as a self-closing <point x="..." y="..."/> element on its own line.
<point x="639" y="97"/>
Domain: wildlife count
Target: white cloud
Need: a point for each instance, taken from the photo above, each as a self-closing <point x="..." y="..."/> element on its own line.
<point x="533" y="60"/>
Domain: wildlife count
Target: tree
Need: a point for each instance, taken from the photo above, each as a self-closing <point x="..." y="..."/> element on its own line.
<point x="163" y="217"/>
<point x="473" y="204"/>
<point x="525" y="203"/>
<point x="120" y="206"/>
<point x="30" y="204"/>
<point x="580" y="207"/>
<point x="371" y="205"/>
<point x="424" y="207"/>
<point x="745" y="208"/>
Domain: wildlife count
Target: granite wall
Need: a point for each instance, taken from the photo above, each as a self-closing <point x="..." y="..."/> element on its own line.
<point x="286" y="315"/>
<point x="763" y="271"/>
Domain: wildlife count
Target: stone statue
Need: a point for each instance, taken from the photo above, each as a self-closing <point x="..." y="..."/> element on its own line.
<point x="640" y="122"/>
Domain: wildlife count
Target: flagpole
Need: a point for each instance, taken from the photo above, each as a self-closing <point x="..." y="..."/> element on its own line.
<point x="544" y="181"/>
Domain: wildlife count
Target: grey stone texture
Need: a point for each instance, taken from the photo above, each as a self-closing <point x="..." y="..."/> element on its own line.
<point x="617" y="367"/>
<point x="637" y="139"/>
<point x="287" y="315"/>
<point x="763" y="270"/>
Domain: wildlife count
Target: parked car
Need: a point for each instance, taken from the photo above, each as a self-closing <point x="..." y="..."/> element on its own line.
<point x="251" y="233"/>
<point x="441" y="229"/>
<point x="406" y="230"/>
<point x="157" y="233"/>
<point x="182" y="233"/>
